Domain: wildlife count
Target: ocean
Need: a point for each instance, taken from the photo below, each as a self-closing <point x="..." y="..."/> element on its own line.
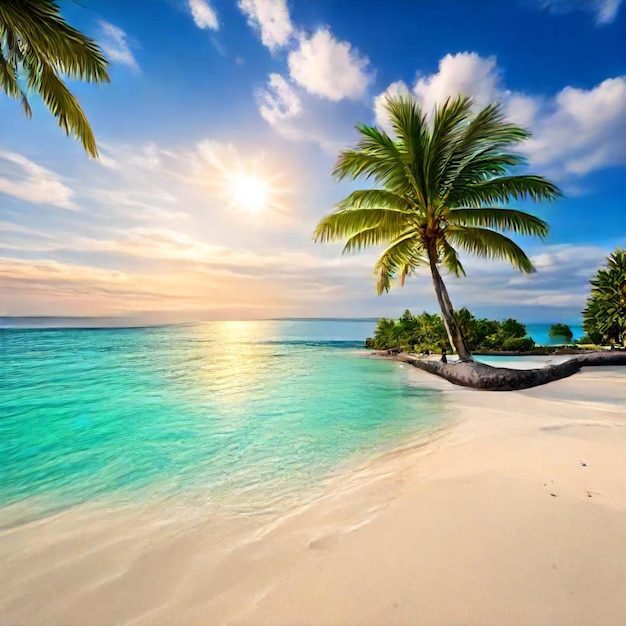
<point x="235" y="416"/>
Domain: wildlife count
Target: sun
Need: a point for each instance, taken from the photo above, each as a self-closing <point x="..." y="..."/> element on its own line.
<point x="248" y="193"/>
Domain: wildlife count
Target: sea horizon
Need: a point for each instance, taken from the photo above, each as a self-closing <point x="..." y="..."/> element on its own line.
<point x="6" y="319"/>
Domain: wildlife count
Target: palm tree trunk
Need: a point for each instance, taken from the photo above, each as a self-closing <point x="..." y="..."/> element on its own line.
<point x="447" y="311"/>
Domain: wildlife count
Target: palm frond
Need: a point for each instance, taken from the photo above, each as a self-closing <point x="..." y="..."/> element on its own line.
<point x="450" y="259"/>
<point x="489" y="244"/>
<point x="503" y="188"/>
<point x="375" y="198"/>
<point x="40" y="27"/>
<point x="350" y="222"/>
<point x="9" y="84"/>
<point x="38" y="46"/>
<point x="403" y="256"/>
<point x="511" y="220"/>
<point x="375" y="155"/>
<point x="488" y="128"/>
<point x="483" y="150"/>
<point x="449" y="123"/>
<point x="413" y="133"/>
<point x="481" y="165"/>
<point x="62" y="104"/>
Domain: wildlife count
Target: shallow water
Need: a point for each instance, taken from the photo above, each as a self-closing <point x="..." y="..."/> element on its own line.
<point x="539" y="332"/>
<point x="239" y="415"/>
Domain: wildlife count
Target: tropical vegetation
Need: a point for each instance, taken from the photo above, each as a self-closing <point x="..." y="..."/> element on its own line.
<point x="442" y="187"/>
<point x="604" y="317"/>
<point x="426" y="333"/>
<point x="561" y="331"/>
<point x="37" y="47"/>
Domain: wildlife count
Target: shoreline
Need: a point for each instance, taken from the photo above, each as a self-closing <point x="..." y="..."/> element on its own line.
<point x="495" y="520"/>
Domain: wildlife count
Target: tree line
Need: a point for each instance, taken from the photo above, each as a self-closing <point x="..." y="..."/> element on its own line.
<point x="426" y="332"/>
<point x="604" y="322"/>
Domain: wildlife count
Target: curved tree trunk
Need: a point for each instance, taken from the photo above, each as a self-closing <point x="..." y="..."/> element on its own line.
<point x="452" y="328"/>
<point x="482" y="376"/>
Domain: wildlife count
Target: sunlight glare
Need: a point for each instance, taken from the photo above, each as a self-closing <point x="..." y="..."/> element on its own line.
<point x="249" y="193"/>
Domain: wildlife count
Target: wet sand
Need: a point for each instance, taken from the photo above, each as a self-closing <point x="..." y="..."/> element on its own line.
<point x="515" y="515"/>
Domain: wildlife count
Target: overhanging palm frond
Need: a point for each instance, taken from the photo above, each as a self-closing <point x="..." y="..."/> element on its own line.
<point x="63" y="105"/>
<point x="9" y="84"/>
<point x="489" y="244"/>
<point x="39" y="45"/>
<point x="511" y="220"/>
<point x="39" y="25"/>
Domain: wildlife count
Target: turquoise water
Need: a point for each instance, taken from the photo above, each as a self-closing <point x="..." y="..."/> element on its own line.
<point x="237" y="414"/>
<point x="539" y="332"/>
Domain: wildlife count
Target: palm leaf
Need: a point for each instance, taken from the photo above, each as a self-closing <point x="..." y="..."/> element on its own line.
<point x="9" y="84"/>
<point x="410" y="125"/>
<point x="501" y="219"/>
<point x="374" y="198"/>
<point x="450" y="259"/>
<point x="403" y="256"/>
<point x="62" y="104"/>
<point x="37" y="43"/>
<point x="503" y="188"/>
<point x="350" y="222"/>
<point x="450" y="121"/>
<point x="46" y="34"/>
<point x="489" y="244"/>
<point x="378" y="156"/>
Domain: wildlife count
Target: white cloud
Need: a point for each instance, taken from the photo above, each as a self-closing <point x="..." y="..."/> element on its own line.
<point x="576" y="131"/>
<point x="271" y="18"/>
<point x="329" y="68"/>
<point x="203" y="15"/>
<point x="580" y="130"/>
<point x="33" y="183"/>
<point x="278" y="101"/>
<point x="115" y="45"/>
<point x="465" y="73"/>
<point x="605" y="11"/>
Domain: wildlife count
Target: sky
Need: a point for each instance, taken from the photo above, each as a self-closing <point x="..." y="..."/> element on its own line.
<point x="219" y="129"/>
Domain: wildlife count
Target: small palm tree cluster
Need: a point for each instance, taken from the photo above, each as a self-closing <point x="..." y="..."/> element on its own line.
<point x="605" y="315"/>
<point x="38" y="46"/>
<point x="441" y="188"/>
<point x="561" y="331"/>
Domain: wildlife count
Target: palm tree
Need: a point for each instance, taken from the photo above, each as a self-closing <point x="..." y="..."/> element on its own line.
<point x="561" y="330"/>
<point x="442" y="185"/>
<point x="36" y="47"/>
<point x="605" y="313"/>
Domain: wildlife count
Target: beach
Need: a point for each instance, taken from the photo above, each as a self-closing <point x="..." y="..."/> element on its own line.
<point x="516" y="514"/>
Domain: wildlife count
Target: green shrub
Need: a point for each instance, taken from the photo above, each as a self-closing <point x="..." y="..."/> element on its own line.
<point x="426" y="332"/>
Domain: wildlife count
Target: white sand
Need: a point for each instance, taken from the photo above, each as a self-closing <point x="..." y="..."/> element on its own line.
<point x="516" y="515"/>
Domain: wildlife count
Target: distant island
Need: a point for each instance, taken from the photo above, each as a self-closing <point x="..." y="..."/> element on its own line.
<point x="425" y="334"/>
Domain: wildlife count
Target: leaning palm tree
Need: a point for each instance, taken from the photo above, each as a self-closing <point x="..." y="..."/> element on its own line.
<point x="442" y="185"/>
<point x="36" y="47"/>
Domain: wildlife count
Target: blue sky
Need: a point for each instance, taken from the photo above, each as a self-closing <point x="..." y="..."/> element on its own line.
<point x="214" y="101"/>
